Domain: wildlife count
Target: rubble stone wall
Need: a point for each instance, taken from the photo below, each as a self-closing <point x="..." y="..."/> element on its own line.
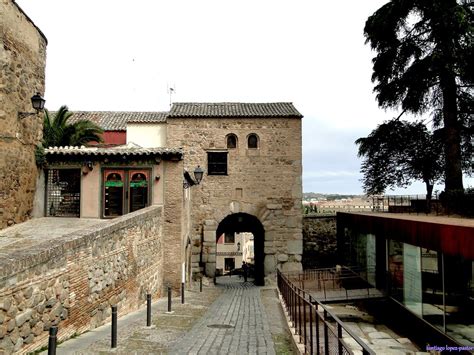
<point x="319" y="241"/>
<point x="22" y="74"/>
<point x="72" y="281"/>
<point x="263" y="182"/>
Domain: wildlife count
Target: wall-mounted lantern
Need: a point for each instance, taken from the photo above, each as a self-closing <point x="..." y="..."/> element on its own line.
<point x="37" y="102"/>
<point x="189" y="181"/>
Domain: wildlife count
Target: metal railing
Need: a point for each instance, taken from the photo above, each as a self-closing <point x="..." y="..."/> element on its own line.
<point x="336" y="284"/>
<point x="320" y="331"/>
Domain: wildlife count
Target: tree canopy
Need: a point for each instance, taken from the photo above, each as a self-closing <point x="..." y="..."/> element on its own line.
<point x="57" y="131"/>
<point x="398" y="152"/>
<point x="424" y="64"/>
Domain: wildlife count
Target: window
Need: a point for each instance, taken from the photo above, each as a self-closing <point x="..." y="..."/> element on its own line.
<point x="125" y="191"/>
<point x="229" y="238"/>
<point x="217" y="163"/>
<point x="63" y="192"/>
<point x="231" y="141"/>
<point x="252" y="141"/>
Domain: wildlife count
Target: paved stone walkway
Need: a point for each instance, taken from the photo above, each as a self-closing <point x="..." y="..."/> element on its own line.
<point x="235" y="324"/>
<point x="231" y="318"/>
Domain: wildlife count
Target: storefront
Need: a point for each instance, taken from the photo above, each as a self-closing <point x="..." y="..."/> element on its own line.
<point x="104" y="182"/>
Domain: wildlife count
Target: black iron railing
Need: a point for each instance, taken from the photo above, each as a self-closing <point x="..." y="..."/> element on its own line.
<point x="320" y="331"/>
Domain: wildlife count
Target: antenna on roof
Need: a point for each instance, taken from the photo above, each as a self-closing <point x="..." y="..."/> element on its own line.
<point x="171" y="90"/>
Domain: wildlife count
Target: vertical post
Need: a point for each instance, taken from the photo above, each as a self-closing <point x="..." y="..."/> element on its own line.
<point x="169" y="298"/>
<point x="444" y="292"/>
<point x="304" y="323"/>
<point x="182" y="293"/>
<point x="326" y="337"/>
<point x="310" y="326"/>
<point x="339" y="338"/>
<point x="183" y="280"/>
<point x="148" y="310"/>
<point x="200" y="284"/>
<point x="316" y="319"/>
<point x="114" y="327"/>
<point x="53" y="332"/>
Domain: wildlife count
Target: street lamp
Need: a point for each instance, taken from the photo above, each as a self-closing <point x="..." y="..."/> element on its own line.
<point x="198" y="173"/>
<point x="189" y="181"/>
<point x="38" y="102"/>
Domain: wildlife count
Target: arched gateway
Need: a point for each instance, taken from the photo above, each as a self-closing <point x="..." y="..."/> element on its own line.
<point x="244" y="222"/>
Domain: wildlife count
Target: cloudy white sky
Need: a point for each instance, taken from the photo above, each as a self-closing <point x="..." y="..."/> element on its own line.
<point x="114" y="55"/>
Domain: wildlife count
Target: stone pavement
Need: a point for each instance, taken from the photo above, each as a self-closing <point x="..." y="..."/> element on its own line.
<point x="232" y="317"/>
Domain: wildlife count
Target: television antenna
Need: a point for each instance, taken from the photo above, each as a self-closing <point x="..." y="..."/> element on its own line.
<point x="171" y="90"/>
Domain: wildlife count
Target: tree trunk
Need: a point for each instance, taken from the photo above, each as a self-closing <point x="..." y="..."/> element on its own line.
<point x="429" y="195"/>
<point x="452" y="142"/>
<point x="452" y="129"/>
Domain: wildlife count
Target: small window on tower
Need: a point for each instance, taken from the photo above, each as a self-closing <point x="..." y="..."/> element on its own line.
<point x="231" y="141"/>
<point x="252" y="141"/>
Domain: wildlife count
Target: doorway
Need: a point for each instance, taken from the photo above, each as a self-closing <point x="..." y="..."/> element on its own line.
<point x="241" y="223"/>
<point x="125" y="191"/>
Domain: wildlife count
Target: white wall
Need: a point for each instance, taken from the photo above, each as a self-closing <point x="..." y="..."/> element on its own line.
<point x="147" y="135"/>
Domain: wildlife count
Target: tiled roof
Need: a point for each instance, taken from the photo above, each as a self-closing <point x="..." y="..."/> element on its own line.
<point x="116" y="120"/>
<point x="233" y="109"/>
<point x="130" y="150"/>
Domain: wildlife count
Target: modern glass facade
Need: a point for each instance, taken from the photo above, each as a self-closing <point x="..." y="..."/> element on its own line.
<point x="435" y="285"/>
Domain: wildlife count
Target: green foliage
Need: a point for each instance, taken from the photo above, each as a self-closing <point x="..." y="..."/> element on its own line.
<point x="40" y="156"/>
<point x="398" y="152"/>
<point x="424" y="63"/>
<point x="57" y="131"/>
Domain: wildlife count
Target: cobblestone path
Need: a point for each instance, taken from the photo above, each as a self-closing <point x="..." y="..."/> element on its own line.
<point x="236" y="323"/>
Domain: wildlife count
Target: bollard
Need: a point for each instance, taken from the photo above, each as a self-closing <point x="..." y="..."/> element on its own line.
<point x="148" y="310"/>
<point x="114" y="327"/>
<point x="182" y="292"/>
<point x="215" y="280"/>
<point x="200" y="284"/>
<point x="169" y="299"/>
<point x="53" y="331"/>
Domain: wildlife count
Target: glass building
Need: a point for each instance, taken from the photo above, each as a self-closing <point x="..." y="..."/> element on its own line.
<point x="423" y="263"/>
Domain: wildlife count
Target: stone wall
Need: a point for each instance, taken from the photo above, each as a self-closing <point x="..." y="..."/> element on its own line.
<point x="319" y="241"/>
<point x="22" y="70"/>
<point x="73" y="280"/>
<point x="263" y="182"/>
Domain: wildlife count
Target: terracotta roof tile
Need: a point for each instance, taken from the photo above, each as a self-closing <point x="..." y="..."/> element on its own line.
<point x="130" y="149"/>
<point x="117" y="120"/>
<point x="233" y="109"/>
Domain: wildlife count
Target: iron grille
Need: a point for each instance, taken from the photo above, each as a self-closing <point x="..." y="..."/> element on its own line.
<point x="63" y="192"/>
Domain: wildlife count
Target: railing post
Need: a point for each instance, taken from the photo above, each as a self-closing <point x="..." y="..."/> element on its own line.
<point x="200" y="284"/>
<point x="114" y="327"/>
<point x="53" y="332"/>
<point x="310" y="326"/>
<point x="304" y="323"/>
<point x="299" y="314"/>
<point x="339" y="338"/>
<point x="317" y="317"/>
<point x="326" y="337"/>
<point x="148" y="310"/>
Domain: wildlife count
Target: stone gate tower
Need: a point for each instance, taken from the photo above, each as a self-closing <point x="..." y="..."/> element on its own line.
<point x="251" y="154"/>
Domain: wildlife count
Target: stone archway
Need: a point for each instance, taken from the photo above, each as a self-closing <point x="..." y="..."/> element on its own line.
<point x="244" y="222"/>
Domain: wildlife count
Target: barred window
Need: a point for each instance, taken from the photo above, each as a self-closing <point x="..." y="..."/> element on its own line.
<point x="217" y="163"/>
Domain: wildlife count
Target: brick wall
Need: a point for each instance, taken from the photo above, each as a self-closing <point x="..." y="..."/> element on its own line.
<point x="22" y="64"/>
<point x="319" y="241"/>
<point x="73" y="280"/>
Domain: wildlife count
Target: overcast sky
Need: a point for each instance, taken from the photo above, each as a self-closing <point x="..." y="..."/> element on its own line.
<point x="110" y="55"/>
